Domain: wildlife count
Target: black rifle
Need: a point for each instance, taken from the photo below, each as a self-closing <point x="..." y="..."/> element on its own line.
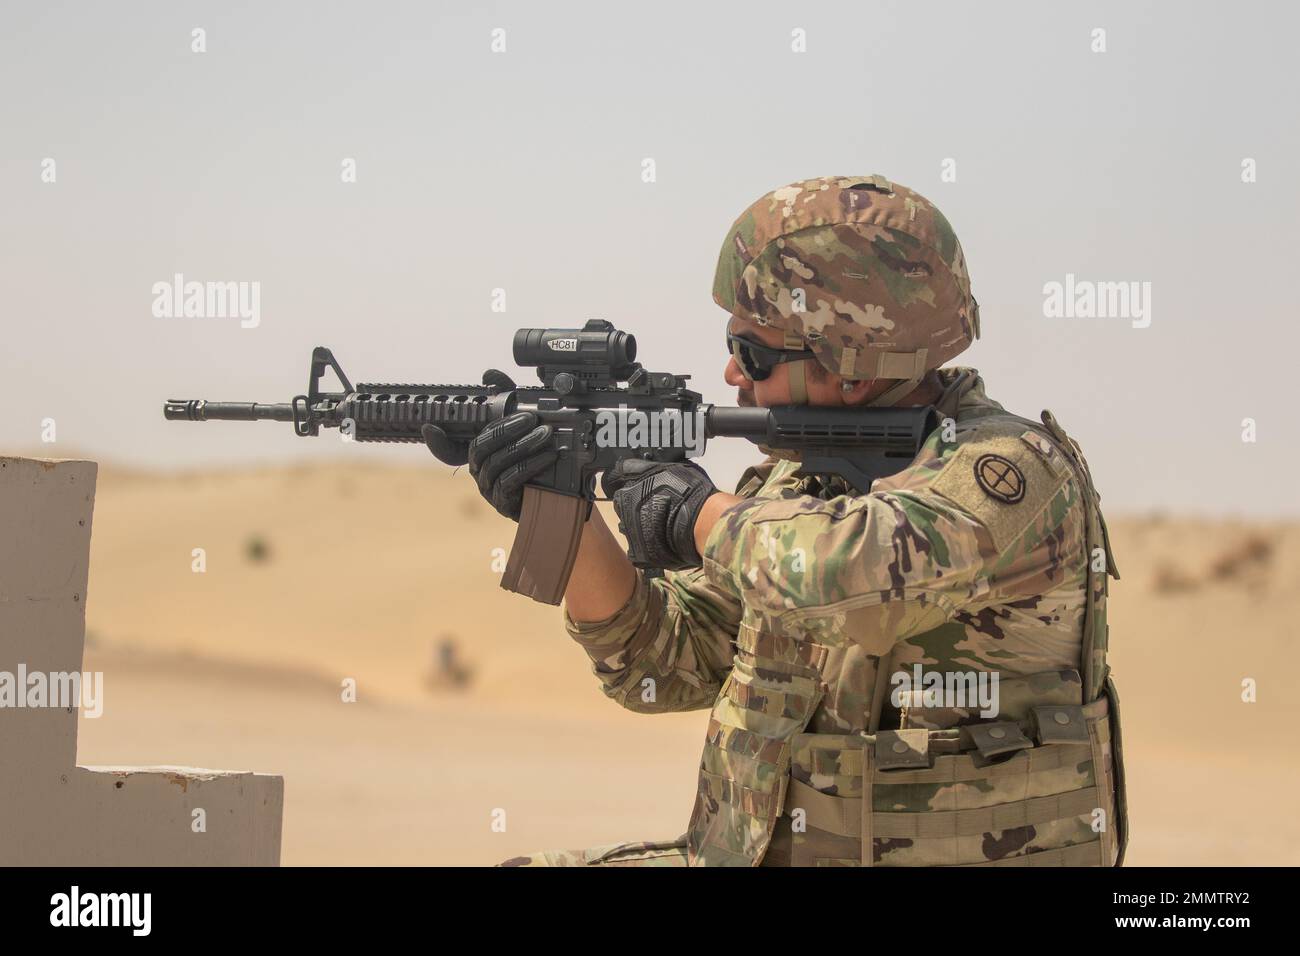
<point x="602" y="406"/>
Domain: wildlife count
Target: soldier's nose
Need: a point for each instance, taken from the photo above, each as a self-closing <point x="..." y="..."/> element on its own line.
<point x="734" y="377"/>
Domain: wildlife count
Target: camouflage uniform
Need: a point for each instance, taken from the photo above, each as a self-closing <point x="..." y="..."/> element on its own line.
<point x="661" y="853"/>
<point x="987" y="554"/>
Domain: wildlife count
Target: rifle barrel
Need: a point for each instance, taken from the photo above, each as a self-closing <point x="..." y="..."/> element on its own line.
<point x="199" y="410"/>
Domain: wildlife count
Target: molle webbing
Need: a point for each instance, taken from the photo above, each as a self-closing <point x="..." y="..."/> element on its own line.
<point x="1080" y="854"/>
<point x="977" y="820"/>
<point x="1053" y="792"/>
<point x="1093" y="656"/>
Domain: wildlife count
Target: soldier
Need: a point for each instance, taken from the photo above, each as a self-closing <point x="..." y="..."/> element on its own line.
<point x="847" y="642"/>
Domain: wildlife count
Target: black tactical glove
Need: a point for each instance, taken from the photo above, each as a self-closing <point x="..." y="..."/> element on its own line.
<point x="456" y="453"/>
<point x="503" y="456"/>
<point x="657" y="505"/>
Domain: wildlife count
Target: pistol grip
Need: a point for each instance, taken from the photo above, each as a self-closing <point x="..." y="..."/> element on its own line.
<point x="546" y="544"/>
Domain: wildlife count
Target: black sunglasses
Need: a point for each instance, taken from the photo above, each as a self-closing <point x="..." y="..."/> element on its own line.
<point x="757" y="360"/>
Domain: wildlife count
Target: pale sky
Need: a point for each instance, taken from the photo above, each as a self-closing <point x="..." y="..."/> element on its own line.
<point x="522" y="170"/>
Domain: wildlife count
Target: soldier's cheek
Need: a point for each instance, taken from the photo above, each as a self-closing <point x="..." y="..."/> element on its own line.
<point x="772" y="391"/>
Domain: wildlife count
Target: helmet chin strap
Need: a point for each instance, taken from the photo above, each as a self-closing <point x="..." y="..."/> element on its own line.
<point x="907" y="367"/>
<point x="896" y="391"/>
<point x="798" y="379"/>
<point x="798" y="383"/>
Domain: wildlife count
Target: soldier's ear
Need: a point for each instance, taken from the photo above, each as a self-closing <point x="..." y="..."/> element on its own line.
<point x="860" y="391"/>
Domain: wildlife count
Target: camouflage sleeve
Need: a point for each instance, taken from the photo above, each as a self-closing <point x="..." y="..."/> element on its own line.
<point x="669" y="648"/>
<point x="875" y="568"/>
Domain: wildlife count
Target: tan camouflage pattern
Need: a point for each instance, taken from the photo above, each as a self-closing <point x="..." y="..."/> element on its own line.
<point x="807" y="586"/>
<point x="878" y="267"/>
<point x="650" y="853"/>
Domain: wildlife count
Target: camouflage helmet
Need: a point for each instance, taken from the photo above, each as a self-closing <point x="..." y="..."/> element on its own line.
<point x="866" y="273"/>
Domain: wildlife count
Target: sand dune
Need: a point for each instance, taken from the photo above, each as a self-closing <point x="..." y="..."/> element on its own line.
<point x="316" y="574"/>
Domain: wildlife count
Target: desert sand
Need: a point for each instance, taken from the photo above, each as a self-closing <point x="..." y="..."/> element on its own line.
<point x="316" y="574"/>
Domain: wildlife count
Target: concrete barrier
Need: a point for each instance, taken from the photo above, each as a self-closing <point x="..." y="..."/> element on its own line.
<point x="53" y="812"/>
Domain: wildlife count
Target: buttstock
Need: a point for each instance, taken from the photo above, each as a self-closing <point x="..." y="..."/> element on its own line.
<point x="546" y="544"/>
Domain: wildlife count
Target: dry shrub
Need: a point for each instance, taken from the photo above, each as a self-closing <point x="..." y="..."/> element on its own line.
<point x="1252" y="553"/>
<point x="1170" y="579"/>
<point x="256" y="549"/>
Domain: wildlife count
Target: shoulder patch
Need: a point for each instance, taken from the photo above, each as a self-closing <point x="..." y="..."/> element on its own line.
<point x="999" y="478"/>
<point x="1002" y="481"/>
